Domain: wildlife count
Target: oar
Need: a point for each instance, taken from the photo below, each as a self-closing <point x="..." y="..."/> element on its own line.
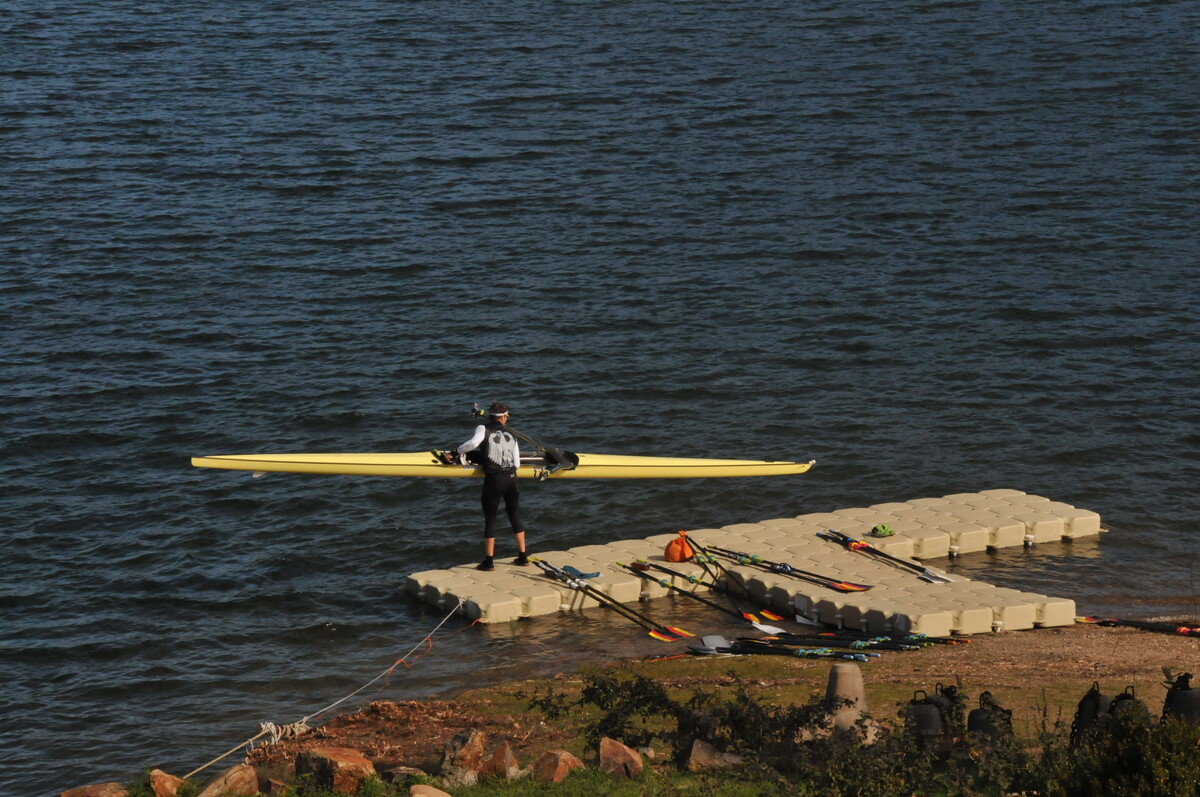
<point x="561" y="460"/>
<point x="922" y="572"/>
<point x="836" y="641"/>
<point x="715" y="586"/>
<point x="761" y="646"/>
<point x="704" y="559"/>
<point x="788" y="570"/>
<point x="640" y="569"/>
<point x="664" y="633"/>
<point x="720" y="645"/>
<point x="1145" y="625"/>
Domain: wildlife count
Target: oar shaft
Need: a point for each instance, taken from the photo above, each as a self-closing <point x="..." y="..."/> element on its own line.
<point x="682" y="591"/>
<point x="601" y="598"/>
<point x="787" y="570"/>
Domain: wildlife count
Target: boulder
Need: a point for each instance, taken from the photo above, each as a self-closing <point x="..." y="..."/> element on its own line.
<point x="501" y="762"/>
<point x="400" y="772"/>
<point x="554" y="765"/>
<point x="164" y="785"/>
<point x="462" y="758"/>
<point x="423" y="790"/>
<point x="338" y="769"/>
<point x="618" y="760"/>
<point x="704" y="756"/>
<point x="845" y="697"/>
<point x="97" y="790"/>
<point x="240" y="780"/>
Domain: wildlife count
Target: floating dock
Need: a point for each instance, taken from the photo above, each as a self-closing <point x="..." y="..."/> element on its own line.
<point x="899" y="601"/>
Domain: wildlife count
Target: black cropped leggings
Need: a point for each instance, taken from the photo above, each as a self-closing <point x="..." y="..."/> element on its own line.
<point x="495" y="487"/>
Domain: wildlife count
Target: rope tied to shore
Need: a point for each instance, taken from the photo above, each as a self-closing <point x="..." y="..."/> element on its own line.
<point x="300" y="726"/>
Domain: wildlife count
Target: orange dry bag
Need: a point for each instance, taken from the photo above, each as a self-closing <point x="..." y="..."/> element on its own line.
<point x="678" y="550"/>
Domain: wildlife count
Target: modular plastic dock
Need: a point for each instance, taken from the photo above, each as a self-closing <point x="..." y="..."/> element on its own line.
<point x="899" y="601"/>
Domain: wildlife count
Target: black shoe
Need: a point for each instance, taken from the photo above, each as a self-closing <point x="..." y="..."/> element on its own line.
<point x="486" y="564"/>
<point x="521" y="560"/>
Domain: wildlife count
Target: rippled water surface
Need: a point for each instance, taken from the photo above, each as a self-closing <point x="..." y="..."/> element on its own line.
<point x="939" y="247"/>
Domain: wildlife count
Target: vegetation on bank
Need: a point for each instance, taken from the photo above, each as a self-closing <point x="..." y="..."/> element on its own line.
<point x="785" y="750"/>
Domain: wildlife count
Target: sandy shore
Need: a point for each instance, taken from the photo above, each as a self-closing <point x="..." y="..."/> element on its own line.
<point x="1040" y="675"/>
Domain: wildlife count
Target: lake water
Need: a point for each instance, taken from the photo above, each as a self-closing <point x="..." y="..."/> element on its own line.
<point x="938" y="247"/>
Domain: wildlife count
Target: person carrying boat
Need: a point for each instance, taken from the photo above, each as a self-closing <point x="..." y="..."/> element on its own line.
<point x="494" y="448"/>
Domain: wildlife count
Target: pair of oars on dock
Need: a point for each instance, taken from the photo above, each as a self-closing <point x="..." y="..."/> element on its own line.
<point x="706" y="557"/>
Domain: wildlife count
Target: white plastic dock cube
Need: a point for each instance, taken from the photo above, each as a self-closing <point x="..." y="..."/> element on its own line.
<point x="966" y="537"/>
<point x="962" y="498"/>
<point x="626" y="588"/>
<point x="537" y="600"/>
<point x="1079" y="523"/>
<point x="1003" y="532"/>
<point x="820" y="519"/>
<point x="1042" y="527"/>
<point x="899" y="544"/>
<point x="928" y="503"/>
<point x="892" y="507"/>
<point x="492" y="607"/>
<point x="1053" y="611"/>
<point x="415" y="584"/>
<point x="748" y="530"/>
<point x="1002" y="492"/>
<point x="1008" y="616"/>
<point x="972" y="619"/>
<point x="918" y="619"/>
<point x="928" y="543"/>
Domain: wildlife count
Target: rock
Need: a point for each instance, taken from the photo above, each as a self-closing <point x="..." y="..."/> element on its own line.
<point x="240" y="780"/>
<point x="554" y="765"/>
<point x="462" y="758"/>
<point x="502" y="762"/>
<point x="422" y="790"/>
<point x="393" y="774"/>
<point x="276" y="786"/>
<point x="336" y="768"/>
<point x="618" y="760"/>
<point x="164" y="785"/>
<point x="845" y="697"/>
<point x="704" y="756"/>
<point x="97" y="790"/>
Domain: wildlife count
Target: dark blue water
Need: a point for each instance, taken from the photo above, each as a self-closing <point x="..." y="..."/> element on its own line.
<point x="939" y="247"/>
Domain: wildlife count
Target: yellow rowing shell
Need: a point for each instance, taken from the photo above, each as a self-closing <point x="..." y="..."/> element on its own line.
<point x="591" y="466"/>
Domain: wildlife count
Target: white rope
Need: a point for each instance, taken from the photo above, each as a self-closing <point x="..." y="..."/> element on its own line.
<point x="291" y="730"/>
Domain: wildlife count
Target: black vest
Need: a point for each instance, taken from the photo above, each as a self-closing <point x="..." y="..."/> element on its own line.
<point x="497" y="449"/>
